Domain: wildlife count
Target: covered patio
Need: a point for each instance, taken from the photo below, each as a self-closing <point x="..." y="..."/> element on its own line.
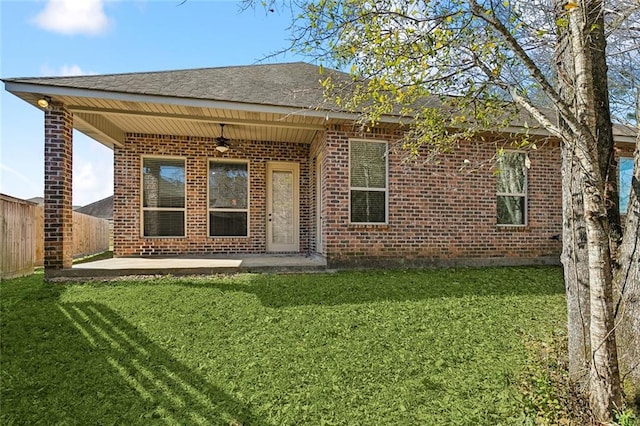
<point x="195" y="122"/>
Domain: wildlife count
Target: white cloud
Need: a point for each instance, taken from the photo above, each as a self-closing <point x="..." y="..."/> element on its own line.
<point x="64" y="71"/>
<point x="92" y="181"/>
<point x="67" y="70"/>
<point x="92" y="170"/>
<point x="74" y="17"/>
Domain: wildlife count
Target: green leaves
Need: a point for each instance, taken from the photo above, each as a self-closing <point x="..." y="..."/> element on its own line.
<point x="402" y="54"/>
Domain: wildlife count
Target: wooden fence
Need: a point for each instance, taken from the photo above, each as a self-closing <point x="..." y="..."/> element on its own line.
<point x="22" y="236"/>
<point x="18" y="237"/>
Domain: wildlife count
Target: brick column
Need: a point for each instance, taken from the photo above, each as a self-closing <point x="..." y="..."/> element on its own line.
<point x="58" y="210"/>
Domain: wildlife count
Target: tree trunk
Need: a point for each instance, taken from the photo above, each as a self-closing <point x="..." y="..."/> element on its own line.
<point x="574" y="234"/>
<point x="576" y="273"/>
<point x="604" y="380"/>
<point x="604" y="135"/>
<point x="627" y="284"/>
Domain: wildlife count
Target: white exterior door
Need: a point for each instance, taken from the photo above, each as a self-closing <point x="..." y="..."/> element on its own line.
<point x="283" y="207"/>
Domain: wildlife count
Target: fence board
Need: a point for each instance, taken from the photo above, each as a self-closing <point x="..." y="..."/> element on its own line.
<point x="90" y="235"/>
<point x="18" y="237"/>
<point x="22" y="236"/>
<point x="39" y="225"/>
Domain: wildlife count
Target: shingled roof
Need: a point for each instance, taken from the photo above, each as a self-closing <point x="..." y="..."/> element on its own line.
<point x="294" y="84"/>
<point x="285" y="87"/>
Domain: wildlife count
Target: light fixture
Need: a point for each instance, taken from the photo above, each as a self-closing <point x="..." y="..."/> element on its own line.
<point x="222" y="143"/>
<point x="44" y="102"/>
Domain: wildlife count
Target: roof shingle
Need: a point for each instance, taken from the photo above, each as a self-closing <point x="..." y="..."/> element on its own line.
<point x="295" y="84"/>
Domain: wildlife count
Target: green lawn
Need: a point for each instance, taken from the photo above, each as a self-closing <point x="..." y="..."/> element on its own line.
<point x="357" y="348"/>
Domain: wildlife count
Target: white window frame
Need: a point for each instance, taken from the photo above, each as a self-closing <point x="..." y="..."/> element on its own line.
<point x="210" y="209"/>
<point x="628" y="196"/>
<point x="524" y="194"/>
<point x="385" y="189"/>
<point x="172" y="209"/>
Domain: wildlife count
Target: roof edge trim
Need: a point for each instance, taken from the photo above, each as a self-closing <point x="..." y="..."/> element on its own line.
<point x="16" y="87"/>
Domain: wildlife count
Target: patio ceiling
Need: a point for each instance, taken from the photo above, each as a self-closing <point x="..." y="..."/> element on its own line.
<point x="107" y="119"/>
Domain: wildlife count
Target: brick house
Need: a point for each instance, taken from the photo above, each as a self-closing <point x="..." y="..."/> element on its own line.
<point x="250" y="160"/>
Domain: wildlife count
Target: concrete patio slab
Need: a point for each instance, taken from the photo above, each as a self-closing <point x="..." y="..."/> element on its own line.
<point x="186" y="265"/>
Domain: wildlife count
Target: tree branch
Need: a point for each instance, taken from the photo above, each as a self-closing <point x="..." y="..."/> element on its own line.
<point x="564" y="109"/>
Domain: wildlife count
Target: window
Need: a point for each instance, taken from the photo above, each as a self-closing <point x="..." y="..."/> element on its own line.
<point x="368" y="181"/>
<point x="512" y="188"/>
<point x="228" y="199"/>
<point x="163" y="197"/>
<point x="625" y="172"/>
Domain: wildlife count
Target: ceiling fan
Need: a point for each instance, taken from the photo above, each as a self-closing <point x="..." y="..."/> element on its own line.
<point x="222" y="143"/>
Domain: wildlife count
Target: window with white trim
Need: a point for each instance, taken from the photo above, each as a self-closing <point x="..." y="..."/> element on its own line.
<point x="512" y="188"/>
<point x="368" y="181"/>
<point x="163" y="197"/>
<point x="625" y="173"/>
<point x="228" y="198"/>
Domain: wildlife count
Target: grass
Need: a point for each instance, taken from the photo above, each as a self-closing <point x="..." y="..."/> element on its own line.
<point x="382" y="347"/>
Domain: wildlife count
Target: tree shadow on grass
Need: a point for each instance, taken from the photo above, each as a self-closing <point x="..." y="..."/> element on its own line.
<point x="383" y="285"/>
<point x="81" y="363"/>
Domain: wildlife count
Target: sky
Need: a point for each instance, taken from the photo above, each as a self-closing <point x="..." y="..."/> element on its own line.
<point x="80" y="37"/>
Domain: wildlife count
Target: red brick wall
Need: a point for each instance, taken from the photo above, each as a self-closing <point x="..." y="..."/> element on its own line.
<point x="438" y="210"/>
<point x="197" y="151"/>
<point x="625" y="150"/>
<point x="441" y="209"/>
<point x="58" y="178"/>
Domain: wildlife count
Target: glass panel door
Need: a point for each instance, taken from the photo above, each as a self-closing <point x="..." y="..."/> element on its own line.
<point x="282" y="207"/>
